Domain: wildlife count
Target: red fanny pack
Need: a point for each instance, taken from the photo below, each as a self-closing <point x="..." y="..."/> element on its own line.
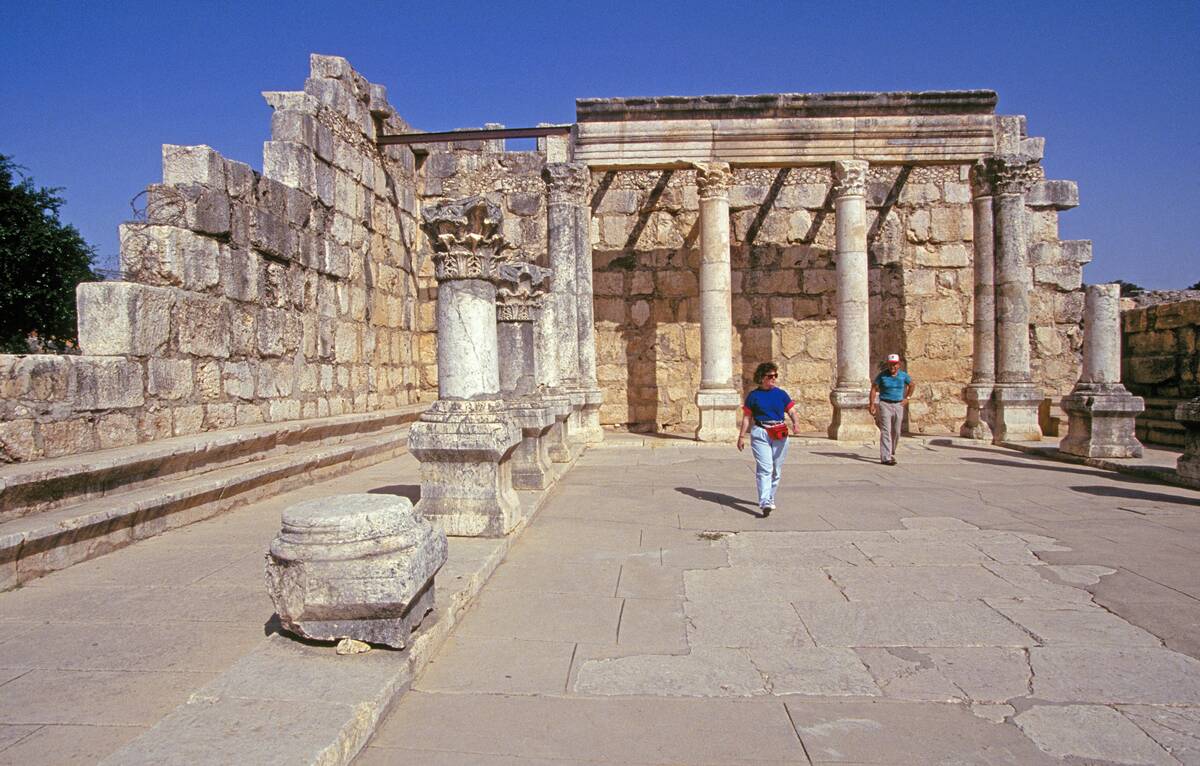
<point x="777" y="432"/>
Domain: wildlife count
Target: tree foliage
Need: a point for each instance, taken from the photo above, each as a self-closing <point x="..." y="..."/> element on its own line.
<point x="1129" y="288"/>
<point x="41" y="261"/>
<point x="1195" y="286"/>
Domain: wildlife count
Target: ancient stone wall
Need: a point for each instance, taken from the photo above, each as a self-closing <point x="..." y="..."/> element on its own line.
<point x="247" y="297"/>
<point x="646" y="257"/>
<point x="1160" y="362"/>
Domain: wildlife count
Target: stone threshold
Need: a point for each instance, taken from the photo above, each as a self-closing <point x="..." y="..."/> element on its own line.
<point x="34" y="545"/>
<point x="328" y="705"/>
<point x="27" y="488"/>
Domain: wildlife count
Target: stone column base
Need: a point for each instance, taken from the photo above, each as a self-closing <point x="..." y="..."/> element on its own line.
<point x="851" y="419"/>
<point x="979" y="412"/>
<point x="1015" y="408"/>
<point x="1187" y="414"/>
<point x="558" y="440"/>
<point x="589" y="416"/>
<point x="720" y="415"/>
<point x="465" y="449"/>
<point x="1101" y="421"/>
<point x="575" y="431"/>
<point x="531" y="465"/>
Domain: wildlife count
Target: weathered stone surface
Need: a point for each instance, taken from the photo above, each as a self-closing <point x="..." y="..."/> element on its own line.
<point x="354" y="566"/>
<point x="703" y="672"/>
<point x="1090" y="732"/>
<point x="108" y="382"/>
<point x="117" y="318"/>
<point x="1115" y="675"/>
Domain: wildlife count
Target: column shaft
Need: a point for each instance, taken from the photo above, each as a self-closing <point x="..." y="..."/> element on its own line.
<point x="566" y="182"/>
<point x="850" y="395"/>
<point x="978" y="393"/>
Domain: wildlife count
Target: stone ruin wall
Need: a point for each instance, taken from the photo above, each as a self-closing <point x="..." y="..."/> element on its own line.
<point x="1160" y="362"/>
<point x="646" y="256"/>
<point x="296" y="293"/>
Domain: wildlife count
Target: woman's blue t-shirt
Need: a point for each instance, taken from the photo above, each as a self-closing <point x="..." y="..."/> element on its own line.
<point x="766" y="406"/>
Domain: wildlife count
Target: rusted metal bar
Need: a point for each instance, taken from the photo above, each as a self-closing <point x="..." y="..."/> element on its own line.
<point x="473" y="135"/>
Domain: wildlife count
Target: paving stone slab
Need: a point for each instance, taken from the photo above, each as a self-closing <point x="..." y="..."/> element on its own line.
<point x="703" y="672"/>
<point x="651" y="626"/>
<point x="1092" y="733"/>
<point x="10" y="734"/>
<point x="498" y="666"/>
<point x="885" y="732"/>
<point x="386" y="756"/>
<point x="647" y="579"/>
<point x="67" y="745"/>
<point x="546" y="576"/>
<point x="922" y="553"/>
<point x="813" y="671"/>
<point x="909" y="623"/>
<point x="633" y="730"/>
<point x="1111" y="675"/>
<point x="744" y="623"/>
<point x="95" y="697"/>
<point x="907" y="674"/>
<point x="542" y="616"/>
<point x="931" y="583"/>
<point x="1176" y="729"/>
<point x="1055" y="622"/>
<point x="761" y="584"/>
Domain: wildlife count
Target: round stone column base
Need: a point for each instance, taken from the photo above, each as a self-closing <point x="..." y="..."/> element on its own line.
<point x="589" y="416"/>
<point x="720" y="415"/>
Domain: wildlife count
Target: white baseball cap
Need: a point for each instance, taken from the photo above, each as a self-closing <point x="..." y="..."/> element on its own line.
<point x="893" y="357"/>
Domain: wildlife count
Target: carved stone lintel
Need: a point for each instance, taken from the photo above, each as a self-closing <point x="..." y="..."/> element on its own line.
<point x="981" y="180"/>
<point x="466" y="239"/>
<point x="1013" y="173"/>
<point x="713" y="179"/>
<point x="520" y="289"/>
<point x="567" y="181"/>
<point x="850" y="178"/>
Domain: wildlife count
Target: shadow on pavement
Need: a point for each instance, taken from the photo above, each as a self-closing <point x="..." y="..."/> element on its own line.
<point x="848" y="456"/>
<point x="411" y="491"/>
<point x="729" y="501"/>
<point x="1136" y="494"/>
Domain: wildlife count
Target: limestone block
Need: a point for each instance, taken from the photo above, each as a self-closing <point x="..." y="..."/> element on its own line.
<point x="269" y="233"/>
<point x="239" y="270"/>
<point x="1177" y="314"/>
<point x="280" y="410"/>
<point x="918" y="226"/>
<point x="123" y="318"/>
<point x="250" y="414"/>
<point x="201" y="325"/>
<point x="193" y="165"/>
<point x="919" y="194"/>
<point x="107" y="382"/>
<point x="237" y="380"/>
<point x="945" y="224"/>
<point x="943" y="256"/>
<point x="218" y="416"/>
<point x="1068" y="277"/>
<point x="67" y="437"/>
<point x="116" y="429"/>
<point x="354" y="566"/>
<point x="169" y="378"/>
<point x="17" y="441"/>
<point x="957" y="193"/>
<point x="622" y="201"/>
<point x="1057" y="195"/>
<point x="208" y="379"/>
<point x="802" y="196"/>
<point x="942" y="311"/>
<point x="239" y="180"/>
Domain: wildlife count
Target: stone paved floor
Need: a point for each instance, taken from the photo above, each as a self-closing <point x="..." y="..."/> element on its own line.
<point x="969" y="606"/>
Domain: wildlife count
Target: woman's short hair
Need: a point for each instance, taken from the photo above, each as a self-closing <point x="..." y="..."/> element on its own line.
<point x="763" y="370"/>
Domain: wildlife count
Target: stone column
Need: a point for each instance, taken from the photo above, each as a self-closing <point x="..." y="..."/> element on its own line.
<point x="1015" y="399"/>
<point x="567" y="182"/>
<point x="1101" y="411"/>
<point x="545" y="335"/>
<point x="521" y="290"/>
<point x="593" y="397"/>
<point x="1187" y="414"/>
<point x="978" y="393"/>
<point x="718" y="401"/>
<point x="465" y="440"/>
<point x="850" y="396"/>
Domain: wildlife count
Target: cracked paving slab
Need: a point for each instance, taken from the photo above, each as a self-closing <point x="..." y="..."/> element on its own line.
<point x="1091" y="732"/>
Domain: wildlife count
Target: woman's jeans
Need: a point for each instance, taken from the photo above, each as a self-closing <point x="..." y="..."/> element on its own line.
<point x="768" y="463"/>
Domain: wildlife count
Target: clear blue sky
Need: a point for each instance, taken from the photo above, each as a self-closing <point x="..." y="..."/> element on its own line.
<point x="90" y="90"/>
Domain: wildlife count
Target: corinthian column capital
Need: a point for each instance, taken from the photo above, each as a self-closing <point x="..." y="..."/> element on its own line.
<point x="466" y="239"/>
<point x="713" y="179"/>
<point x="567" y="181"/>
<point x="1013" y="173"/>
<point x="520" y="288"/>
<point x="850" y="178"/>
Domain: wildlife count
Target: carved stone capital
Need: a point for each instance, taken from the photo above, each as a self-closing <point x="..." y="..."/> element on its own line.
<point x="713" y="179"/>
<point x="519" y="291"/>
<point x="1013" y="173"/>
<point x="981" y="180"/>
<point x="567" y="181"/>
<point x="466" y="239"/>
<point x="850" y="178"/>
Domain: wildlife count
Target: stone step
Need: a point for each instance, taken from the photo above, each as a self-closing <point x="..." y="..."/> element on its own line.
<point x="28" y="488"/>
<point x="36" y="544"/>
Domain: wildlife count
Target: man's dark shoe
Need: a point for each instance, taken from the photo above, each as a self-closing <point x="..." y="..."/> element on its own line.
<point x="890" y="462"/>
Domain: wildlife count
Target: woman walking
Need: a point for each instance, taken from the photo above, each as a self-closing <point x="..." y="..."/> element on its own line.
<point x="763" y="418"/>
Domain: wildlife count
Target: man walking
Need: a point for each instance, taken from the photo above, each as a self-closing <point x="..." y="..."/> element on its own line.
<point x="892" y="388"/>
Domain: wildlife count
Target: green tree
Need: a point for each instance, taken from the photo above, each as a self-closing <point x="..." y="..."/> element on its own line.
<point x="41" y="261"/>
<point x="1129" y="288"/>
<point x="1195" y="286"/>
